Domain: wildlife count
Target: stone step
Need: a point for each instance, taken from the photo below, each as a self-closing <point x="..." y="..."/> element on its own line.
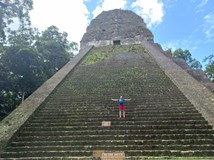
<point x="114" y="118"/>
<point x="106" y="96"/>
<point x="129" y="110"/>
<point x="103" y="108"/>
<point x="114" y="113"/>
<point x="108" y="131"/>
<point x="135" y="98"/>
<point x="134" y="90"/>
<point x="103" y="115"/>
<point x="138" y="99"/>
<point x="92" y="107"/>
<point x="109" y="147"/>
<point x="118" y="127"/>
<point x="132" y="103"/>
<point x="137" y="122"/>
<point x="35" y="154"/>
<point x="84" y="153"/>
<point x="171" y="153"/>
<point x="139" y="106"/>
<point x="114" y="137"/>
<point x="115" y="142"/>
<point x="109" y="101"/>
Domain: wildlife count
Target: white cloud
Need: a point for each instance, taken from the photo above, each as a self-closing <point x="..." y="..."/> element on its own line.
<point x="202" y="4"/>
<point x="151" y="11"/>
<point x="68" y="16"/>
<point x="200" y="7"/>
<point x="109" y="5"/>
<point x="209" y="25"/>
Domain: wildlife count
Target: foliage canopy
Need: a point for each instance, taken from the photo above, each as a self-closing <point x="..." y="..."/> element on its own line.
<point x="187" y="56"/>
<point x="27" y="57"/>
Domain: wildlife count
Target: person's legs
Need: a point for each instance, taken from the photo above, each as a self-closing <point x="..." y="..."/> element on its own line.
<point x="124" y="114"/>
<point x="120" y="114"/>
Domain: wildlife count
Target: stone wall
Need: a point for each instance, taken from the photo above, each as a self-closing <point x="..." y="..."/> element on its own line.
<point x="126" y="41"/>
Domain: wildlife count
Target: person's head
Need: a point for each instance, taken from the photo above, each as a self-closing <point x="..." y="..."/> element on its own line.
<point x="121" y="97"/>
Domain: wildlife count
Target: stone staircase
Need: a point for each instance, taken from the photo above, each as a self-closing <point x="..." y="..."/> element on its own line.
<point x="160" y="121"/>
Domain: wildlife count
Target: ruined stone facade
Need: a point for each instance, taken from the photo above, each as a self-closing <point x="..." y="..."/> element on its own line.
<point x="116" y="27"/>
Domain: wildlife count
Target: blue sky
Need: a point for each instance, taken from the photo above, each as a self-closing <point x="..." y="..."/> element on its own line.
<point x="185" y="24"/>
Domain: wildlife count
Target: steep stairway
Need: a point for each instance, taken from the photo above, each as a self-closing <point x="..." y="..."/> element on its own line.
<point x="160" y="120"/>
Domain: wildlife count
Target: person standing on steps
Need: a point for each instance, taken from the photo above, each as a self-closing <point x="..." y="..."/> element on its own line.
<point x="121" y="102"/>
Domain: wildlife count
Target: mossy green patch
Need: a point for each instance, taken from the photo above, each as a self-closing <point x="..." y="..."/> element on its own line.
<point x="95" y="57"/>
<point x="99" y="54"/>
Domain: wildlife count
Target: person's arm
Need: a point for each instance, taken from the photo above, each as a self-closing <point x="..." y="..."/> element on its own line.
<point x="114" y="99"/>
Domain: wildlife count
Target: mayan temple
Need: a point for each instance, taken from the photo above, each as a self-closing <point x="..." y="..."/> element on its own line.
<point x="72" y="115"/>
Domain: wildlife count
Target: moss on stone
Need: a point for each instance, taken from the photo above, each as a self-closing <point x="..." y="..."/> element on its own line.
<point x="95" y="57"/>
<point x="105" y="52"/>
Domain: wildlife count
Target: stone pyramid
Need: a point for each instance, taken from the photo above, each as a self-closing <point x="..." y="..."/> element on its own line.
<point x="71" y="116"/>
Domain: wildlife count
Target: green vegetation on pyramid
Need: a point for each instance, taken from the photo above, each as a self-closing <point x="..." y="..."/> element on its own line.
<point x="160" y="121"/>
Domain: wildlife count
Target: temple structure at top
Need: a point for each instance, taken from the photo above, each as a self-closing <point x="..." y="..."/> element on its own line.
<point x="116" y="27"/>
